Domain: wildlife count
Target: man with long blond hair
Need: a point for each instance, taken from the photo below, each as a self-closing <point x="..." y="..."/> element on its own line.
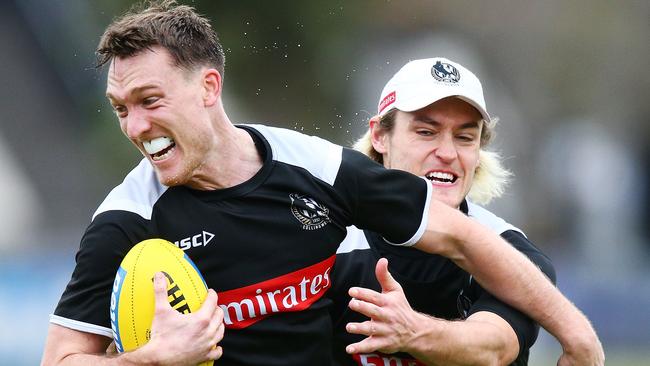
<point x="432" y="122"/>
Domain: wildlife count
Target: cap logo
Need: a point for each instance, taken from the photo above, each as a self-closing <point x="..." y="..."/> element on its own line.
<point x="445" y="72"/>
<point x="388" y="100"/>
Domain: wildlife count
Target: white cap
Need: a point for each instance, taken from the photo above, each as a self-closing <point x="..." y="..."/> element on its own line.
<point x="420" y="83"/>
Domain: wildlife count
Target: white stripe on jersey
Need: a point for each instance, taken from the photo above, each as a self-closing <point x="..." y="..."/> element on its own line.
<point x="319" y="157"/>
<point x="489" y="219"/>
<point x="138" y="192"/>
<point x="356" y="239"/>
<point x="81" y="326"/>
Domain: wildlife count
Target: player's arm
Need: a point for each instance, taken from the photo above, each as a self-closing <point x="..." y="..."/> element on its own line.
<point x="175" y="338"/>
<point x="510" y="276"/>
<point x="376" y="194"/>
<point x="63" y="343"/>
<point x="394" y="326"/>
<point x="482" y="339"/>
<point x="495" y="332"/>
<point x="65" y="346"/>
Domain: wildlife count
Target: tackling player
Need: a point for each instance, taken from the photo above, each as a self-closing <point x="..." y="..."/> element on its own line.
<point x="432" y="122"/>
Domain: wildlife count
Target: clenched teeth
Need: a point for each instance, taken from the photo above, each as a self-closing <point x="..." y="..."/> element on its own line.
<point x="159" y="148"/>
<point x="441" y="177"/>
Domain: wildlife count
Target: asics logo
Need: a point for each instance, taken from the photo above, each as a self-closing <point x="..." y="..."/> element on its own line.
<point x="198" y="240"/>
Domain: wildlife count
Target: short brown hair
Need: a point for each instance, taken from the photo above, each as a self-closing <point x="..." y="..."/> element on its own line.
<point x="186" y="35"/>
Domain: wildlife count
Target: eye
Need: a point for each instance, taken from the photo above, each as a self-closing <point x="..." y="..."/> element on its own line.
<point x="149" y="101"/>
<point x="467" y="138"/>
<point x="423" y="132"/>
<point x="120" y="110"/>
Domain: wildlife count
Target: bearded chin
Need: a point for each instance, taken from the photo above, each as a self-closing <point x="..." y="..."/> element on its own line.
<point x="171" y="180"/>
<point x="180" y="175"/>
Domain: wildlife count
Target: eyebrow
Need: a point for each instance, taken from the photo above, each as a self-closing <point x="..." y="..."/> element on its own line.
<point x="464" y="126"/>
<point x="135" y="91"/>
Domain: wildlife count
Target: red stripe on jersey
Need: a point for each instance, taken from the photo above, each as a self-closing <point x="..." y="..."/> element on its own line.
<point x="294" y="291"/>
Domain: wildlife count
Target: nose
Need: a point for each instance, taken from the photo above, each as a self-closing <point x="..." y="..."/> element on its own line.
<point x="446" y="149"/>
<point x="135" y="124"/>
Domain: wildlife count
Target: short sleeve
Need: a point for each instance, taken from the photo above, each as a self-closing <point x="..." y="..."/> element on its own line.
<point x="391" y="202"/>
<point x="85" y="303"/>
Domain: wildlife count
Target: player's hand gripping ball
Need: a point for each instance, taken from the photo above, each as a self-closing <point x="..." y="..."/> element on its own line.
<point x="132" y="301"/>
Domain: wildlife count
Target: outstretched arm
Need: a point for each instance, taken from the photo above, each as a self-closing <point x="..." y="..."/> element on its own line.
<point x="514" y="279"/>
<point x="394" y="326"/>
<point x="175" y="338"/>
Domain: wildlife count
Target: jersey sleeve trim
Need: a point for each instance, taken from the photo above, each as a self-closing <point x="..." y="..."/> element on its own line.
<point x="138" y="192"/>
<point x="81" y="326"/>
<point x="489" y="219"/>
<point x="423" y="224"/>
<point x="319" y="157"/>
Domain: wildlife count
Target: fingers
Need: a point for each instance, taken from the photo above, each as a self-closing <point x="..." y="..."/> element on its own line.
<point x="215" y="329"/>
<point x="160" y="292"/>
<point x="353" y="348"/>
<point x="384" y="277"/>
<point x="219" y="335"/>
<point x="386" y="280"/>
<point x="209" y="306"/>
<point x="215" y="353"/>
<point x="367" y="345"/>
<point x="367" y="328"/>
<point x="211" y="309"/>
<point x="365" y="294"/>
<point x="366" y="308"/>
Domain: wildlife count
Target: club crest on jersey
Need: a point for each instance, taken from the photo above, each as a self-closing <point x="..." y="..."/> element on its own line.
<point x="311" y="214"/>
<point x="445" y="72"/>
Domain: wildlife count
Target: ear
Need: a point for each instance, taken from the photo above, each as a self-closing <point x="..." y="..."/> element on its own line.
<point x="378" y="135"/>
<point x="212" y="83"/>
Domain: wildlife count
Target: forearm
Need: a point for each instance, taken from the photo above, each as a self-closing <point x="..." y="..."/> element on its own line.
<point x="457" y="343"/>
<point x="67" y="347"/>
<point x="126" y="359"/>
<point x="504" y="272"/>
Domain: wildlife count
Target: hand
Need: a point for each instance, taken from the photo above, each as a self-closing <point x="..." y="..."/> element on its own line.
<point x="184" y="339"/>
<point x="393" y="323"/>
<point x="584" y="350"/>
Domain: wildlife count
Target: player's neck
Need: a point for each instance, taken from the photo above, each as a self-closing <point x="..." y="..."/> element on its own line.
<point x="234" y="160"/>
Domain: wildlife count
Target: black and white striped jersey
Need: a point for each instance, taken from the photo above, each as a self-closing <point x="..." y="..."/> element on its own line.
<point x="433" y="285"/>
<point x="266" y="246"/>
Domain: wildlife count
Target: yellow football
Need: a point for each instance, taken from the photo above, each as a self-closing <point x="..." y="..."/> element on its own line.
<point x="132" y="300"/>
